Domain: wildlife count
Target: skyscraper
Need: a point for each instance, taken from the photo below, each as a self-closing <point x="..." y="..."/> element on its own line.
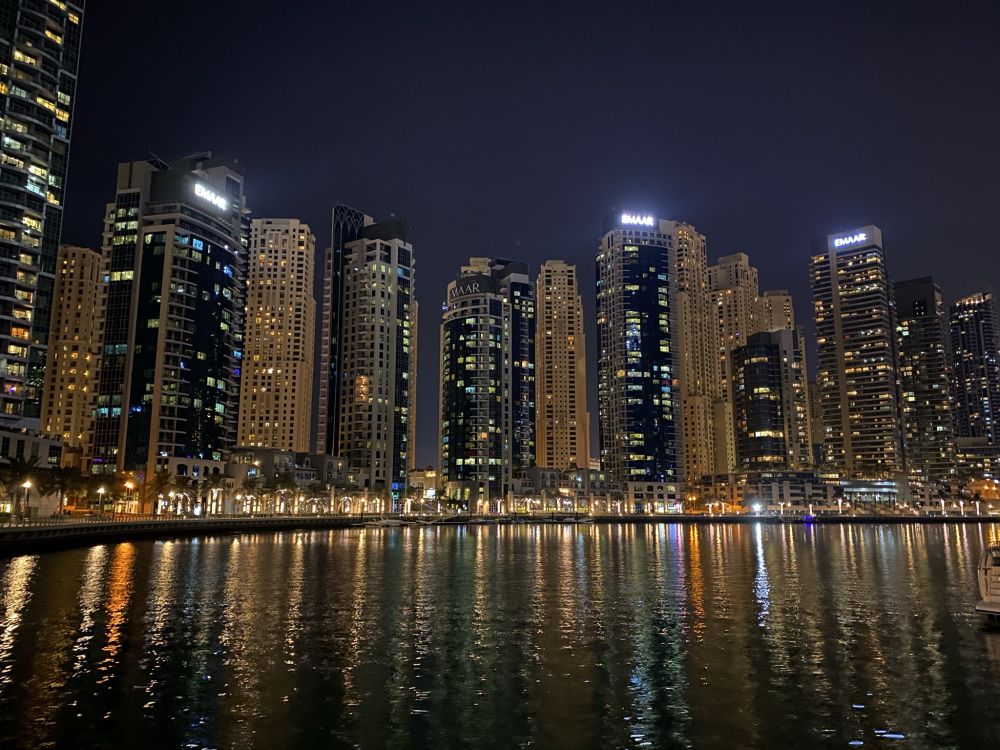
<point x="855" y="339"/>
<point x="921" y="334"/>
<point x="637" y="358"/>
<point x="277" y="378"/>
<point x="347" y="226"/>
<point x="376" y="357"/>
<point x="71" y="362"/>
<point x="562" y="434"/>
<point x="175" y="241"/>
<point x="479" y="343"/>
<point x="975" y="364"/>
<point x="39" y="55"/>
<point x="771" y="402"/>
<point x="697" y="351"/>
<point x="735" y="291"/>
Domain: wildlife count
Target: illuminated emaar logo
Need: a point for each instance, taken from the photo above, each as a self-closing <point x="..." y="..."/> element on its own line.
<point x="638" y="219"/>
<point x="853" y="239"/>
<point x="212" y="197"/>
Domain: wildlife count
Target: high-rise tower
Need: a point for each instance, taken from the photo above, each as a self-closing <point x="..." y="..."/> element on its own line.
<point x="735" y="292"/>
<point x="277" y="378"/>
<point x="482" y="428"/>
<point x="376" y="360"/>
<point x="975" y="364"/>
<point x="562" y="434"/>
<point x="771" y="402"/>
<point x="855" y="336"/>
<point x="921" y="335"/>
<point x="71" y="363"/>
<point x="637" y="358"/>
<point x="347" y="226"/>
<point x="697" y="351"/>
<point x="39" y="56"/>
<point x="175" y="243"/>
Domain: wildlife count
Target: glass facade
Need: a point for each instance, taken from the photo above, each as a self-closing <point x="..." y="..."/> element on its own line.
<point x="637" y="388"/>
<point x="39" y="56"/>
<point x="171" y="353"/>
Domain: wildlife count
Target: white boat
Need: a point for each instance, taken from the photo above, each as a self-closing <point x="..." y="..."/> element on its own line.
<point x="989" y="583"/>
<point x="384" y="523"/>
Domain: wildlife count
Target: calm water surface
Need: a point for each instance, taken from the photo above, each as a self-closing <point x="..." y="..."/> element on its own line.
<point x="546" y="636"/>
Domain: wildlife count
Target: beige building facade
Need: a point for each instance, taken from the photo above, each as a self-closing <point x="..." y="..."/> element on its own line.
<point x="71" y="360"/>
<point x="562" y="422"/>
<point x="278" y="359"/>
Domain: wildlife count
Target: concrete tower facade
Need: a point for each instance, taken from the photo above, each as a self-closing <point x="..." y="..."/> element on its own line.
<point x="71" y="362"/>
<point x="856" y="343"/>
<point x="562" y="432"/>
<point x="278" y="366"/>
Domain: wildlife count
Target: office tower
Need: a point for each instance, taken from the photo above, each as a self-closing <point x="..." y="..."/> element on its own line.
<point x="376" y="359"/>
<point x="347" y="226"/>
<point x="776" y="311"/>
<point x="71" y="361"/>
<point x="175" y="241"/>
<point x="771" y="402"/>
<point x="277" y="378"/>
<point x="855" y="339"/>
<point x="637" y="359"/>
<point x="562" y="433"/>
<point x="735" y="292"/>
<point x="925" y="399"/>
<point x="697" y="351"/>
<point x="515" y="283"/>
<point x="39" y="55"/>
<point x="975" y="365"/>
<point x="477" y="383"/>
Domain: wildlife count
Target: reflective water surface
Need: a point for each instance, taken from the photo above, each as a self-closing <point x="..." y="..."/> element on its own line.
<point x="550" y="636"/>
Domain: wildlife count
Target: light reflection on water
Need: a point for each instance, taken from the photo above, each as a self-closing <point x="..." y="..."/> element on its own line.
<point x="553" y="636"/>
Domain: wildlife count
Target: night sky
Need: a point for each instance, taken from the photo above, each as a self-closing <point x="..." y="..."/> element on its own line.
<point x="511" y="129"/>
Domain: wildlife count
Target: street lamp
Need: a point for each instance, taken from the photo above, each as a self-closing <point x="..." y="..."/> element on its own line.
<point x="100" y="492"/>
<point x="27" y="488"/>
<point x="128" y="494"/>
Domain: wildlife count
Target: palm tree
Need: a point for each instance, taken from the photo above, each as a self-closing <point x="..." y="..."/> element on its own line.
<point x="217" y="487"/>
<point x="284" y="483"/>
<point x="14" y="474"/>
<point x="249" y="486"/>
<point x="158" y="484"/>
<point x="182" y="488"/>
<point x="61" y="480"/>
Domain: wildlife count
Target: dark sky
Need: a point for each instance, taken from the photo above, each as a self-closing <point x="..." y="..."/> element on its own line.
<point x="511" y="129"/>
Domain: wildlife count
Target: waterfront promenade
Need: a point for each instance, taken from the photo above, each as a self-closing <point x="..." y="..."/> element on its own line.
<point x="42" y="534"/>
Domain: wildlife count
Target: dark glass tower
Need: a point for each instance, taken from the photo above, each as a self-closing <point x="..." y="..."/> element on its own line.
<point x="39" y="55"/>
<point x="637" y="390"/>
<point x="175" y="254"/>
<point x="487" y="380"/>
<point x="771" y="402"/>
<point x="928" y="436"/>
<point x="347" y="227"/>
<point x="975" y="365"/>
<point x="757" y="404"/>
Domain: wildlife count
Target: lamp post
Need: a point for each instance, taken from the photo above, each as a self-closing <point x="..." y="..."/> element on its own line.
<point x="100" y="492"/>
<point x="128" y="494"/>
<point x="27" y="489"/>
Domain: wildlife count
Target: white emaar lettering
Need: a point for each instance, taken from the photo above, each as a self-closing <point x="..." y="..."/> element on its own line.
<point x="641" y="220"/>
<point x="212" y="197"/>
<point x="853" y="239"/>
<point x="461" y="291"/>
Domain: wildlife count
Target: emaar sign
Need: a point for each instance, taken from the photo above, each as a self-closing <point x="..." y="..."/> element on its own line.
<point x="851" y="239"/>
<point x="212" y="197"/>
<point x="642" y="220"/>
